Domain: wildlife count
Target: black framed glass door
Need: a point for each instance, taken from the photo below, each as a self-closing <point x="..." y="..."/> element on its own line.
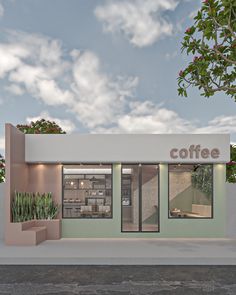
<point x="140" y="198"/>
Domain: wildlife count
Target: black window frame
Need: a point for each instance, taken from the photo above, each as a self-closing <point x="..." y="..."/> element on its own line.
<point x="88" y="164"/>
<point x="140" y="198"/>
<point x="213" y="193"/>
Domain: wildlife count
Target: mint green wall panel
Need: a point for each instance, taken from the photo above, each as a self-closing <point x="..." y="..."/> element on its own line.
<point x="178" y="227"/>
<point x="111" y="228"/>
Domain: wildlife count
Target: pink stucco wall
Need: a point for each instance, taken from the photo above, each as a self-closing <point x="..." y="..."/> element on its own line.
<point x="16" y="168"/>
<point x="46" y="178"/>
<point x="30" y="178"/>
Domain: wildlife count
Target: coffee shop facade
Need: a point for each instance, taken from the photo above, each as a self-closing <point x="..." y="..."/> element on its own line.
<point x="119" y="185"/>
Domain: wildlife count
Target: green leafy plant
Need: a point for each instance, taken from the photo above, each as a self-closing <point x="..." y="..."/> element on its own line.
<point x="212" y="43"/>
<point x="231" y="166"/>
<point x="41" y="127"/>
<point x="202" y="179"/>
<point x="29" y="206"/>
<point x="2" y="169"/>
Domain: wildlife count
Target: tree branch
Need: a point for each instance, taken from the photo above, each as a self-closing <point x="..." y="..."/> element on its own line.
<point x="229" y="21"/>
<point x="223" y="56"/>
<point x="215" y="50"/>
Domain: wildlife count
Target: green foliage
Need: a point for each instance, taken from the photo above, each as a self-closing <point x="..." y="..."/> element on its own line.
<point x="2" y="169"/>
<point x="23" y="207"/>
<point x="45" y="207"/>
<point x="212" y="43"/>
<point x="38" y="127"/>
<point x="41" y="127"/>
<point x="29" y="206"/>
<point x="202" y="179"/>
<point x="231" y="168"/>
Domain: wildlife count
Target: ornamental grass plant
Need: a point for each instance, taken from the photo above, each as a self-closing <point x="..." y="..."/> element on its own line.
<point x="28" y="206"/>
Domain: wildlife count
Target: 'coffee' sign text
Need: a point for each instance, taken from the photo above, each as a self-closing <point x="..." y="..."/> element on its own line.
<point x="194" y="152"/>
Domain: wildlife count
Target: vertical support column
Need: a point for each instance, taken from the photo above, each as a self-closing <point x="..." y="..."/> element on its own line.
<point x="116" y="201"/>
<point x="140" y="196"/>
<point x="164" y="198"/>
<point x="219" y="196"/>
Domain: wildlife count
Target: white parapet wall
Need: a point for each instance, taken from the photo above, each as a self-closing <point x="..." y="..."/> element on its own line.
<point x="2" y="195"/>
<point x="121" y="148"/>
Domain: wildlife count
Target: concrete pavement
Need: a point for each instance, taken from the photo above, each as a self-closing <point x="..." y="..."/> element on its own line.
<point x="123" y="252"/>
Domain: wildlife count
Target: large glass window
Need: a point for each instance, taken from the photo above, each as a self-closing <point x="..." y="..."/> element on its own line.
<point x="139" y="193"/>
<point x="190" y="191"/>
<point x="87" y="191"/>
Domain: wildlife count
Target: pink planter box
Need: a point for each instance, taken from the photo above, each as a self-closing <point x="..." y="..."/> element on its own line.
<point x="53" y="228"/>
<point x="26" y="233"/>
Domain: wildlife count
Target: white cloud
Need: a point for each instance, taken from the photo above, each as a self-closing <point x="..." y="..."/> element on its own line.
<point x="2" y="143"/>
<point x="101" y="102"/>
<point x="146" y="117"/>
<point x="10" y="57"/>
<point x="15" y="89"/>
<point x="142" y="22"/>
<point x="220" y="124"/>
<point x="171" y="55"/>
<point x="34" y="63"/>
<point x="65" y="124"/>
<point x="1" y="10"/>
<point x="99" y="98"/>
<point x="42" y="49"/>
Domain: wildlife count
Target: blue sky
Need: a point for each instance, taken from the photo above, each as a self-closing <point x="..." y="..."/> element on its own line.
<point x="102" y="67"/>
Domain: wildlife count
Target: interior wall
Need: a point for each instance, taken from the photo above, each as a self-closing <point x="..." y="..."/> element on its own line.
<point x="150" y="196"/>
<point x="180" y="182"/>
<point x="46" y="178"/>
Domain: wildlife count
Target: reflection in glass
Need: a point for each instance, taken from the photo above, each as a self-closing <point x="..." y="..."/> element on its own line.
<point x="87" y="191"/>
<point x="130" y="197"/>
<point x="150" y="197"/>
<point x="139" y="192"/>
<point x="190" y="191"/>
